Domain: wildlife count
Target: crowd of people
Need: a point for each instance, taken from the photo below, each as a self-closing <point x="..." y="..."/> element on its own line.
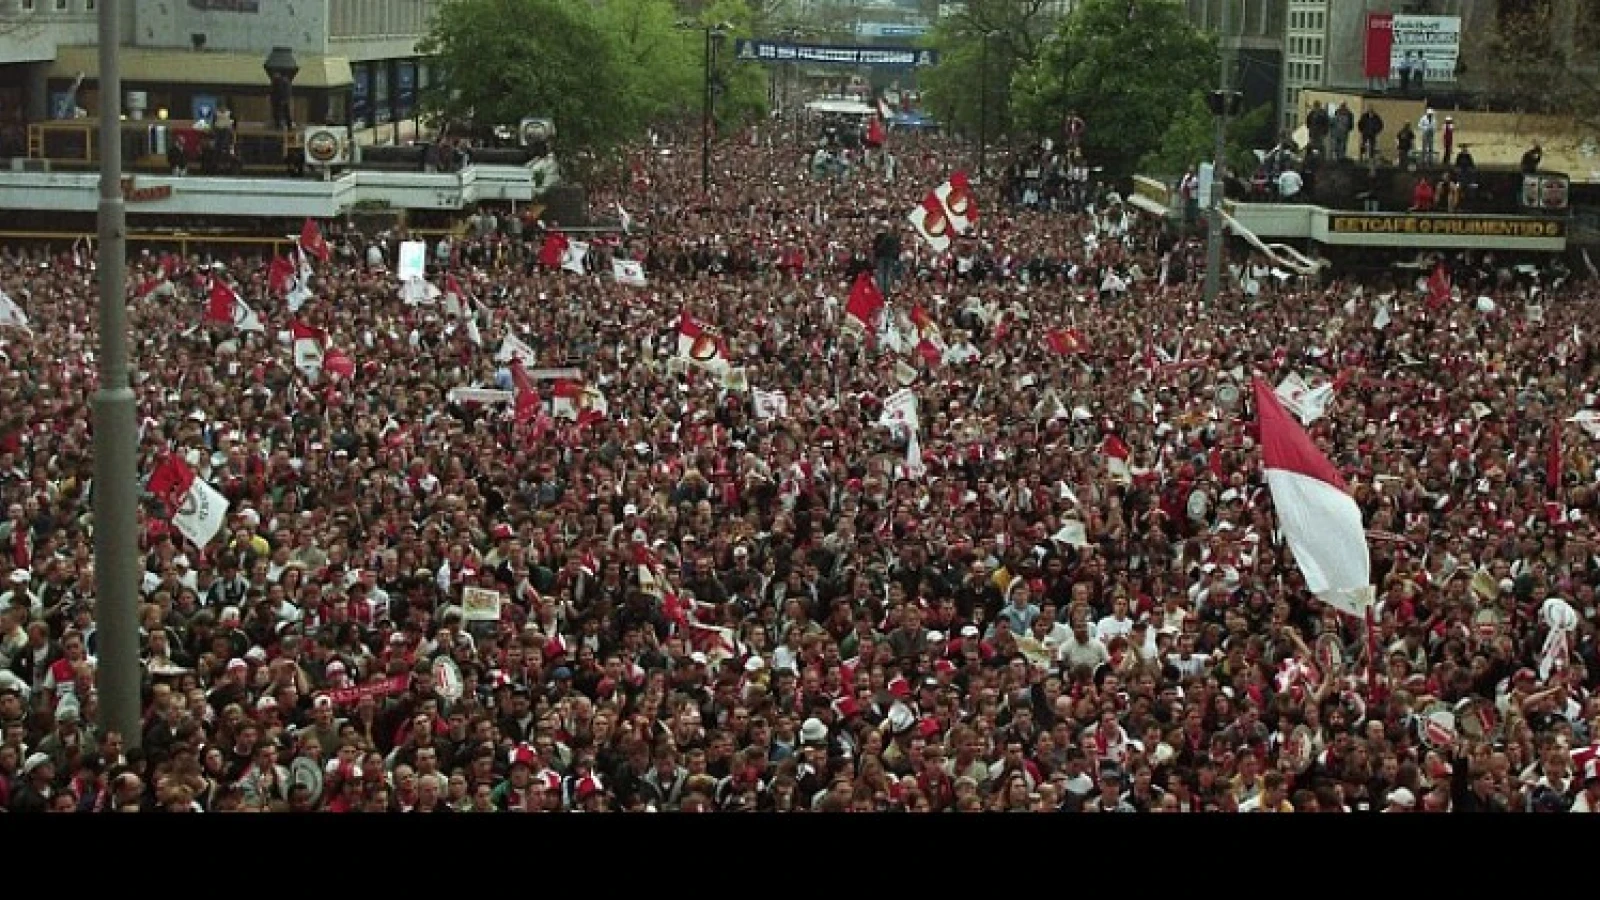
<point x="1060" y="589"/>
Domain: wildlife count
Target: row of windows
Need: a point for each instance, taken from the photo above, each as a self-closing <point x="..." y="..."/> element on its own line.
<point x="58" y="5"/>
<point x="1303" y="72"/>
<point x="1307" y="20"/>
<point x="372" y="18"/>
<point x="1305" y="46"/>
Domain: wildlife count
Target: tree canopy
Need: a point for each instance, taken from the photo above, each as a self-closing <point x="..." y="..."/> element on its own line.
<point x="1128" y="67"/>
<point x="955" y="89"/>
<point x="602" y="71"/>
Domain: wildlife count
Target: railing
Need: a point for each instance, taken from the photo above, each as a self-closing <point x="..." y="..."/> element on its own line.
<point x="74" y="144"/>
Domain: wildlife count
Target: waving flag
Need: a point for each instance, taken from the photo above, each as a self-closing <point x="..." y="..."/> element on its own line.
<point x="1320" y="520"/>
<point x="959" y="203"/>
<point x="701" y="346"/>
<point x="866" y="301"/>
<point x="1066" y="341"/>
<point x="1117" y="453"/>
<point x="225" y="307"/>
<point x="527" y="401"/>
<point x="572" y="259"/>
<point x="198" y="510"/>
<point x="280" y="274"/>
<point x="308" y="348"/>
<point x="311" y="241"/>
<point x="554" y="250"/>
<point x="513" y="349"/>
<point x="932" y="223"/>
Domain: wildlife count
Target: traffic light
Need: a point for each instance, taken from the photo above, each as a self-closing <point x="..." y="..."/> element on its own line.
<point x="1234" y="101"/>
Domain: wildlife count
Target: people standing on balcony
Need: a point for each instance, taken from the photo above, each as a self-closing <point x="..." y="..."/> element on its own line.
<point x="1449" y="139"/>
<point x="1344" y="122"/>
<point x="1370" y="126"/>
<point x="222" y="126"/>
<point x="1428" y="127"/>
<point x="1404" y="141"/>
<point x="1318" y="122"/>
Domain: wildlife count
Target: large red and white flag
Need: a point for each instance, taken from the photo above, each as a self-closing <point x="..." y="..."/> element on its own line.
<point x="12" y="315"/>
<point x="225" y="307"/>
<point x="527" y="393"/>
<point x="198" y="510"/>
<point x="701" y="346"/>
<point x="1319" y="518"/>
<point x="311" y="241"/>
<point x="1117" y="454"/>
<point x="932" y="223"/>
<point x="959" y="202"/>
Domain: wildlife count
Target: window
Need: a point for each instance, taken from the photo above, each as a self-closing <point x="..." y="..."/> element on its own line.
<point x="27" y="5"/>
<point x="88" y="5"/>
<point x="61" y="5"/>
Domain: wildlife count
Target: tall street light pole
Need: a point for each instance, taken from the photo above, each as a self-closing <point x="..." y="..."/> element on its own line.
<point x="705" y="121"/>
<point x="1214" y="238"/>
<point x="115" y="489"/>
<point x="983" y="108"/>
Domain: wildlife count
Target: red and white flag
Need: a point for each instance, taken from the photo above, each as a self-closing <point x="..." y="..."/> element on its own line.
<point x="701" y="346"/>
<point x="875" y="132"/>
<point x="1117" y="453"/>
<point x="454" y="296"/>
<point x="11" y="314"/>
<point x="932" y="223"/>
<point x="959" y="202"/>
<point x="1316" y="513"/>
<point x="866" y="301"/>
<point x="527" y="393"/>
<point x="311" y="241"/>
<point x="309" y="343"/>
<point x="338" y="364"/>
<point x="226" y="308"/>
<point x="280" y="274"/>
<point x="198" y="510"/>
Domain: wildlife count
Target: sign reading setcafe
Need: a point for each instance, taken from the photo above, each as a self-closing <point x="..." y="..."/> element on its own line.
<point x="1455" y="226"/>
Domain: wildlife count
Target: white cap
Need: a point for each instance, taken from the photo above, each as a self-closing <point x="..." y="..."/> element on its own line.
<point x="1402" y="798"/>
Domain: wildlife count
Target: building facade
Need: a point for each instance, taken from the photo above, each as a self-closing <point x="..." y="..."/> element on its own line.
<point x="357" y="59"/>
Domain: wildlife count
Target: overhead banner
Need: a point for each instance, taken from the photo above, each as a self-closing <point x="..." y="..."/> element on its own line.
<point x="750" y="50"/>
<point x="1392" y="39"/>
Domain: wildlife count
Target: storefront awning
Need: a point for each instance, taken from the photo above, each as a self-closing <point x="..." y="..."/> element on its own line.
<point x="146" y="66"/>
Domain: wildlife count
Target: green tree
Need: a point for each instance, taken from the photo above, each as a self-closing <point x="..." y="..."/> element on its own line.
<point x="497" y="68"/>
<point x="958" y="89"/>
<point x="660" y="61"/>
<point x="1191" y="138"/>
<point x="741" y="87"/>
<point x="1128" y="67"/>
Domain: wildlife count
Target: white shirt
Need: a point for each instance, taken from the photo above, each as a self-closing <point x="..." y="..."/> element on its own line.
<point x="1113" y="627"/>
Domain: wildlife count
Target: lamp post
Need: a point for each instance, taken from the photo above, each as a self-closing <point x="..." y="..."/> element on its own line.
<point x="1222" y="103"/>
<point x="281" y="68"/>
<point x="983" y="108"/>
<point x="116" y="484"/>
<point x="708" y="102"/>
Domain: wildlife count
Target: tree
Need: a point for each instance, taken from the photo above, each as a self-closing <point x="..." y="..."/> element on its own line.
<point x="1191" y="138"/>
<point x="741" y="87"/>
<point x="955" y="89"/>
<point x="1128" y="67"/>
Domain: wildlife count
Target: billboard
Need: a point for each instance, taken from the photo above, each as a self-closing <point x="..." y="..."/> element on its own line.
<point x="1436" y="40"/>
<point x="748" y="50"/>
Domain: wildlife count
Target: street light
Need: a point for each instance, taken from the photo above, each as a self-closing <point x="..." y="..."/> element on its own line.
<point x="714" y="35"/>
<point x="983" y="108"/>
<point x="1223" y="103"/>
<point x="281" y="68"/>
<point x="116" y="484"/>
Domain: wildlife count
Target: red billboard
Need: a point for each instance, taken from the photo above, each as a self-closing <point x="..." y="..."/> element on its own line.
<point x="1380" y="44"/>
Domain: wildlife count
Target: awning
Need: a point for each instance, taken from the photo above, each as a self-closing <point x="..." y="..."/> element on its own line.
<point x="200" y="67"/>
<point x="1148" y="205"/>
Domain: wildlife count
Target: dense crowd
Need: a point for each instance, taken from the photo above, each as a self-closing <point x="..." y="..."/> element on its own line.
<point x="683" y="599"/>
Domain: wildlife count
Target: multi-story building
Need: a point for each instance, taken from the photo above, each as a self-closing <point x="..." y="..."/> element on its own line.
<point x="1253" y="32"/>
<point x="357" y="59"/>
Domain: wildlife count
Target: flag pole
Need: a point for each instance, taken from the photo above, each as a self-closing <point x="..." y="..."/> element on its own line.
<point x="115" y="490"/>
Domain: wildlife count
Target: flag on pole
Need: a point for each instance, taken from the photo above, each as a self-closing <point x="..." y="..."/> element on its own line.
<point x="1117" y="453"/>
<point x="280" y="274"/>
<point x="573" y="257"/>
<point x="553" y="251"/>
<point x="1319" y="519"/>
<point x="625" y="219"/>
<point x="225" y="307"/>
<point x="311" y="241"/>
<point x="512" y="349"/>
<point x="527" y="399"/>
<point x="198" y="510"/>
<point x="1066" y="341"/>
<point x="700" y="345"/>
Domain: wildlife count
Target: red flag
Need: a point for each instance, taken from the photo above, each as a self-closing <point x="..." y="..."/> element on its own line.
<point x="220" y="307"/>
<point x="1438" y="287"/>
<point x="311" y="241"/>
<point x="1115" y="448"/>
<point x="1552" y="460"/>
<point x="527" y="393"/>
<point x="300" y="331"/>
<point x="279" y="274"/>
<point x="554" y="251"/>
<point x="170" y="481"/>
<point x="1066" y="341"/>
<point x="875" y="133"/>
<point x="865" y="300"/>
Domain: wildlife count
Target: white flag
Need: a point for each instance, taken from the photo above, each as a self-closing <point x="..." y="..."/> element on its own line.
<point x="1308" y="404"/>
<point x="914" y="467"/>
<point x="513" y="348"/>
<point x="203" y="513"/>
<point x="12" y="314"/>
<point x="627" y="220"/>
<point x="308" y="357"/>
<point x="577" y="252"/>
<point x="628" y="271"/>
<point x="245" y="318"/>
<point x="900" y="410"/>
<point x="417" y="291"/>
